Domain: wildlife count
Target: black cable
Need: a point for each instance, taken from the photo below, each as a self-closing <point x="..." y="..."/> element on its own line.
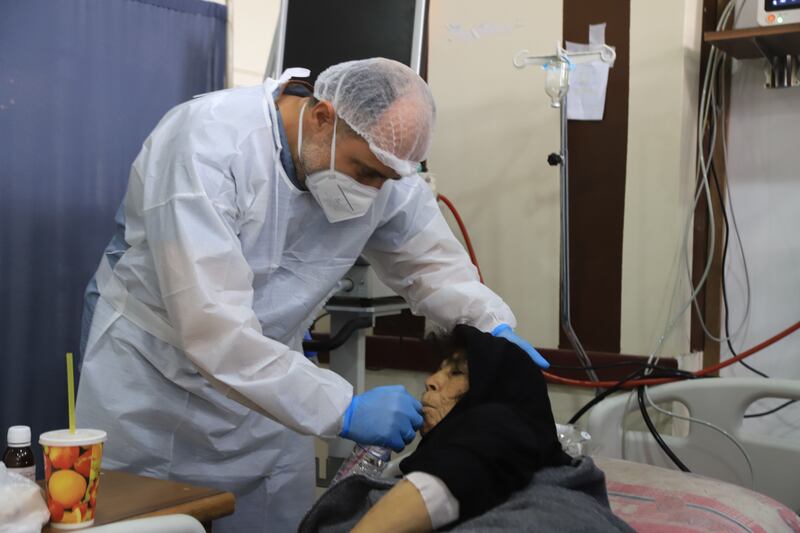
<point x="725" y="295"/>
<point x="713" y="172"/>
<point x="724" y="257"/>
<point x="718" y="188"/>
<point x="667" y="372"/>
<point x="340" y="337"/>
<point x="619" y="364"/>
<point x="603" y="395"/>
<point x="320" y="317"/>
<point x="656" y="434"/>
<point x="771" y="411"/>
<point x="725" y="245"/>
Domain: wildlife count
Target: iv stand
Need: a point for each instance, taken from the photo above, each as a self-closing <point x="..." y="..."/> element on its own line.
<point x="561" y="159"/>
<point x="521" y="60"/>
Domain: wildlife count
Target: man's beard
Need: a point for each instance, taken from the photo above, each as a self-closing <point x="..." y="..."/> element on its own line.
<point x="311" y="159"/>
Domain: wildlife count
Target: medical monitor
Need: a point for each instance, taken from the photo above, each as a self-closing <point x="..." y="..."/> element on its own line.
<point x="777" y="12"/>
<point x="319" y="33"/>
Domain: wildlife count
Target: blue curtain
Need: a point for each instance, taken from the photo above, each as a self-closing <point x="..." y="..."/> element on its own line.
<point x="82" y="83"/>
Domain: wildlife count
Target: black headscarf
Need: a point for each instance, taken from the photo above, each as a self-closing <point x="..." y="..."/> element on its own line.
<point x="498" y="434"/>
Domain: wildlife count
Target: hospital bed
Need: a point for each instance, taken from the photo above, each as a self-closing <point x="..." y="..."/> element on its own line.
<point x="652" y="499"/>
<point x="657" y="497"/>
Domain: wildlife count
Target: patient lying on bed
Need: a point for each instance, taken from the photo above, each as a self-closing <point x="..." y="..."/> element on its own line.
<point x="488" y="430"/>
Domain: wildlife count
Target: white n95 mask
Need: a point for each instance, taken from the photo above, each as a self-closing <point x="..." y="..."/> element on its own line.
<point x="340" y="196"/>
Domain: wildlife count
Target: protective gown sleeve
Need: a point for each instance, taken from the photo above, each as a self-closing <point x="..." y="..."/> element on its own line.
<point x="416" y="254"/>
<point x="206" y="286"/>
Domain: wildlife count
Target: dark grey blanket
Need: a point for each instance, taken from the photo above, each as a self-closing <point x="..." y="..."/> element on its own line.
<point x="560" y="499"/>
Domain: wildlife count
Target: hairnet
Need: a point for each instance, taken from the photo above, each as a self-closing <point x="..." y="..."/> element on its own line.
<point x="386" y="103"/>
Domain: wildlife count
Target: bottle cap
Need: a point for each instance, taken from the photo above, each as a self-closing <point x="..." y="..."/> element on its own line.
<point x="19" y="436"/>
<point x="382" y="454"/>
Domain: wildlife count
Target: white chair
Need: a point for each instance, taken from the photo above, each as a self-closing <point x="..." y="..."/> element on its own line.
<point x="723" y="402"/>
<point x="174" y="523"/>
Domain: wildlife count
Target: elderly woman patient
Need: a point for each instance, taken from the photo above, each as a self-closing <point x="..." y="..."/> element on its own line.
<point x="489" y="458"/>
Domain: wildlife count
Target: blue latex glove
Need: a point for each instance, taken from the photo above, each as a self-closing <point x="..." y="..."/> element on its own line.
<point x="505" y="331"/>
<point x="307" y="337"/>
<point x="384" y="416"/>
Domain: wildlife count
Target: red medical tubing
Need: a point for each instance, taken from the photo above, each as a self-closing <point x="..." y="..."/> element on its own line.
<point x="657" y="381"/>
<point x="634" y="383"/>
<point x="446" y="201"/>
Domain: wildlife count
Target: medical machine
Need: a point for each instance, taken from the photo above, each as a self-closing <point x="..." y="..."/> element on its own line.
<point x="557" y="68"/>
<point x="316" y="34"/>
<point x="776" y="12"/>
<point x="361" y="298"/>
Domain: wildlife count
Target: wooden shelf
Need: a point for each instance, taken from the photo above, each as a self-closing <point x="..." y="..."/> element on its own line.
<point x="748" y="43"/>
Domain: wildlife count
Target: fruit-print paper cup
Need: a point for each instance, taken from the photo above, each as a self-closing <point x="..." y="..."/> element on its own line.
<point x="72" y="474"/>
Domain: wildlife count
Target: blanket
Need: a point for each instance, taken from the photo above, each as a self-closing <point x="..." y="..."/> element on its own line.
<point x="564" y="499"/>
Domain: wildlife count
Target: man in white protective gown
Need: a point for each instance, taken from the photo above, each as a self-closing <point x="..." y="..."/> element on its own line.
<point x="243" y="210"/>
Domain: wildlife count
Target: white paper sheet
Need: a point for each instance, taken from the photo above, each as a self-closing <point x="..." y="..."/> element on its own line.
<point x="586" y="98"/>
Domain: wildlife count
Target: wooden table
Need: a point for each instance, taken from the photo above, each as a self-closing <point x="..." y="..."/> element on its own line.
<point x="122" y="496"/>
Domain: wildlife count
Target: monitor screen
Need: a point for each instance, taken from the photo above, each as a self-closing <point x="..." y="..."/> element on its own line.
<point x="321" y="33"/>
<point x="780" y="5"/>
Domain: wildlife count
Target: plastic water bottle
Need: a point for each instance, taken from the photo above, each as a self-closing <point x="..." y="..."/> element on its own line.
<point x="369" y="461"/>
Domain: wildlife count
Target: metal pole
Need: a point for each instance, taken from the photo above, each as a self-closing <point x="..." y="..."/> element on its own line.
<point x="229" y="45"/>
<point x="566" y="319"/>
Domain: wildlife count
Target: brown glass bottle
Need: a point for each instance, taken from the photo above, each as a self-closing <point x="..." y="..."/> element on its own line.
<point x="18" y="457"/>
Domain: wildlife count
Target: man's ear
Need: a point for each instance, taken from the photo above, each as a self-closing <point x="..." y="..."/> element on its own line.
<point x="322" y="115"/>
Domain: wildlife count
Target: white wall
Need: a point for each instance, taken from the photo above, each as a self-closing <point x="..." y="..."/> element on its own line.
<point x="662" y="115"/>
<point x="495" y="128"/>
<point x="494" y="131"/>
<point x="764" y="181"/>
<point x="253" y="23"/>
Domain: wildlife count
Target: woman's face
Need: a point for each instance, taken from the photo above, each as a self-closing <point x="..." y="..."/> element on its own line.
<point x="443" y="389"/>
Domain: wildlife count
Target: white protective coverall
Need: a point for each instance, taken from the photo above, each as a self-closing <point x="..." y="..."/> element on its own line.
<point x="193" y="363"/>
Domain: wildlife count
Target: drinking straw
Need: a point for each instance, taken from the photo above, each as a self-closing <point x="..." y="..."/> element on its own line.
<point x="71" y="393"/>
